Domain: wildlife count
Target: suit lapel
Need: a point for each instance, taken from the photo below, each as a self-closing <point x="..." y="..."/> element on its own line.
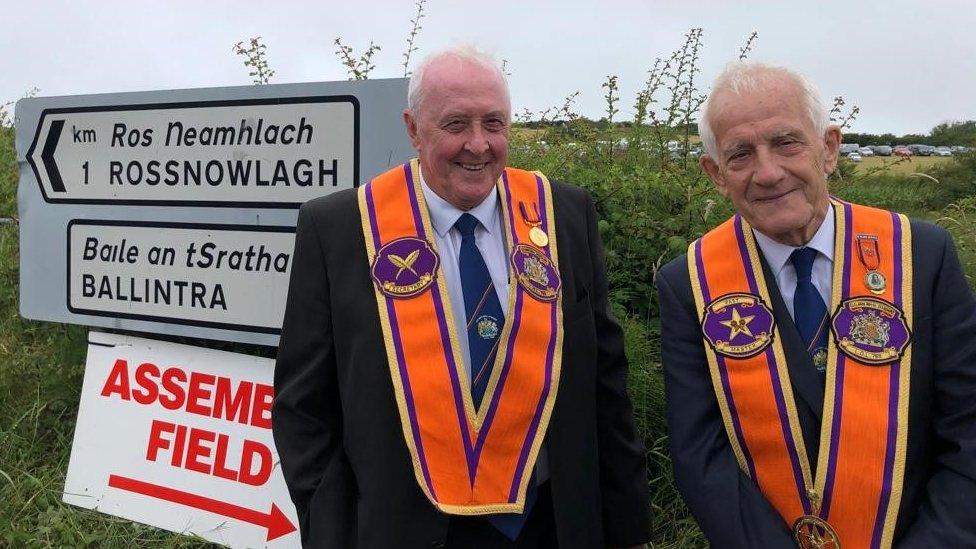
<point x="807" y="385"/>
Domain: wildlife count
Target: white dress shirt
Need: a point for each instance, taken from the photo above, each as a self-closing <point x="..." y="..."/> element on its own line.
<point x="490" y="241"/>
<point x="778" y="254"/>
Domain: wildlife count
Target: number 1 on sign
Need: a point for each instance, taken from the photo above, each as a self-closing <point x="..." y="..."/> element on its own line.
<point x="85" y="167"/>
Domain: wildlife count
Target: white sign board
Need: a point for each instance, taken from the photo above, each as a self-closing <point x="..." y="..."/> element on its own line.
<point x="195" y="184"/>
<point x="179" y="437"/>
<point x="204" y="275"/>
<point x="278" y="152"/>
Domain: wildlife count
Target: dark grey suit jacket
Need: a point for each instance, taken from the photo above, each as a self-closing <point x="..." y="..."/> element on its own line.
<point x="336" y="423"/>
<point x="938" y="505"/>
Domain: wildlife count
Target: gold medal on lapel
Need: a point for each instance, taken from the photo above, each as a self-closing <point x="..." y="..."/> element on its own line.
<point x="536" y="235"/>
<point x="870" y="256"/>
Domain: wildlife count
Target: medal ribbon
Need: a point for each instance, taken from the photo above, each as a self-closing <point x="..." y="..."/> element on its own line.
<point x="466" y="462"/>
<point x="860" y="469"/>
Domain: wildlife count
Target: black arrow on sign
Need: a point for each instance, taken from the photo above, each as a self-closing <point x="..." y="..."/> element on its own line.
<point x="47" y="156"/>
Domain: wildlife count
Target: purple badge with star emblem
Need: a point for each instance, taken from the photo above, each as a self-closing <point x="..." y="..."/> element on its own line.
<point x="405" y="267"/>
<point x="871" y="330"/>
<point x="738" y="325"/>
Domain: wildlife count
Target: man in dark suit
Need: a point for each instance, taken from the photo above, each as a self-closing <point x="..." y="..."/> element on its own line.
<point x="769" y="150"/>
<point x="359" y="449"/>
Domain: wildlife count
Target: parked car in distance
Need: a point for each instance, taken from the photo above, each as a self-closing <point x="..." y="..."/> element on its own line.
<point x="942" y="151"/>
<point x="881" y="150"/>
<point x="902" y="151"/>
<point x="959" y="149"/>
<point x="848" y="148"/>
<point x="854" y="156"/>
<point x="921" y="150"/>
<point x="866" y="151"/>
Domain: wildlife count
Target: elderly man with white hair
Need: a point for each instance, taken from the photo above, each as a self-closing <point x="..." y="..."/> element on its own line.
<point x="820" y="356"/>
<point x="449" y="373"/>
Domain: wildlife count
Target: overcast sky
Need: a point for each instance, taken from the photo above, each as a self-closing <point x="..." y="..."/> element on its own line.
<point x="908" y="65"/>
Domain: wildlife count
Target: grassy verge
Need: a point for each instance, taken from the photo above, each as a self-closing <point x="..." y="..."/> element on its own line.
<point x="41" y="367"/>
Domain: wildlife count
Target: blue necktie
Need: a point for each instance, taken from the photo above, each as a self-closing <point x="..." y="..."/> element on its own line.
<point x="809" y="310"/>
<point x="484" y="318"/>
<point x="483" y="312"/>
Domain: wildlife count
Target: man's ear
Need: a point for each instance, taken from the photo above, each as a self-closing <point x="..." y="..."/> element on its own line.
<point x="711" y="167"/>
<point x="832" y="139"/>
<point x="411" y="123"/>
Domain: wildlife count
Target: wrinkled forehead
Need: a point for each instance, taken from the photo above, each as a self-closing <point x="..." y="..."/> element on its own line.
<point x="778" y="105"/>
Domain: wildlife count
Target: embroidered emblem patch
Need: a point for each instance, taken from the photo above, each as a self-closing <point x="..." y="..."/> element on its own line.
<point x="535" y="272"/>
<point x="405" y="267"/>
<point x="738" y="325"/>
<point x="871" y="330"/>
<point x="487" y="327"/>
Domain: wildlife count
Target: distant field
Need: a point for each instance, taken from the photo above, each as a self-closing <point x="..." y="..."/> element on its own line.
<point x="911" y="164"/>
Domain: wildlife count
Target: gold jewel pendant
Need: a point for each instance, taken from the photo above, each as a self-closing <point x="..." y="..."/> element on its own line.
<point x="813" y="532"/>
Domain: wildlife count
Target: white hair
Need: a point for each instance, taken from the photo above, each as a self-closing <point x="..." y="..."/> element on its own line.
<point x="461" y="53"/>
<point x="740" y="77"/>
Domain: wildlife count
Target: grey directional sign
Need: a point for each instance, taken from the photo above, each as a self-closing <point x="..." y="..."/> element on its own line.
<point x="173" y="212"/>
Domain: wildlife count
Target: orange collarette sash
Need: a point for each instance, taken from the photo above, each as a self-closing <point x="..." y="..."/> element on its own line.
<point x="466" y="461"/>
<point x="853" y="497"/>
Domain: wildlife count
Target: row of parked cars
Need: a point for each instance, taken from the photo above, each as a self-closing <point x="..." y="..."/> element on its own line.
<point x="855" y="152"/>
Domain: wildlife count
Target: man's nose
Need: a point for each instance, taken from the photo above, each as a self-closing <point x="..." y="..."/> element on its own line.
<point x="477" y="141"/>
<point x="769" y="169"/>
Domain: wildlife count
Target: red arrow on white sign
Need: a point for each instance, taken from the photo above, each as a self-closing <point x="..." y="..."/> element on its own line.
<point x="275" y="521"/>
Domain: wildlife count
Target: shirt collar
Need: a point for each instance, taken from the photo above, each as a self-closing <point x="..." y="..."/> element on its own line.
<point x="443" y="214"/>
<point x="777" y="253"/>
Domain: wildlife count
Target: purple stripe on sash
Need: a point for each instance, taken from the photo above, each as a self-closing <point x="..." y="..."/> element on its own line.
<point x="894" y="384"/>
<point x="506" y="367"/>
<point x="784" y="419"/>
<point x="550" y="350"/>
<point x="529" y="436"/>
<point x="839" y="374"/>
<point x="543" y="212"/>
<point x="482" y="435"/>
<point x="723" y="369"/>
<point x="511" y="212"/>
<point x="397" y="345"/>
<point x="445" y="339"/>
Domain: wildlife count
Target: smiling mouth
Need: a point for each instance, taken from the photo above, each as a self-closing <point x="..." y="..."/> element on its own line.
<point x="773" y="198"/>
<point x="472" y="167"/>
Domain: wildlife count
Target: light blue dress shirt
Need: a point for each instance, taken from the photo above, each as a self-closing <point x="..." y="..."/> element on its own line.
<point x="778" y="254"/>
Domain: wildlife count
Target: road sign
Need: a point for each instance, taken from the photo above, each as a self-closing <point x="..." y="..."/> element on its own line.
<point x="194" y="184"/>
<point x="192" y="274"/>
<point x="189" y="448"/>
<point x="256" y="152"/>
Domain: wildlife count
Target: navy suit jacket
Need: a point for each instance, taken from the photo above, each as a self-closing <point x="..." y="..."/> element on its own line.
<point x="336" y="423"/>
<point x="938" y="505"/>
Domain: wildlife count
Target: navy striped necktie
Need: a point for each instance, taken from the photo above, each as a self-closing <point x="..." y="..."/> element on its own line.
<point x="484" y="319"/>
<point x="483" y="312"/>
<point x="809" y="310"/>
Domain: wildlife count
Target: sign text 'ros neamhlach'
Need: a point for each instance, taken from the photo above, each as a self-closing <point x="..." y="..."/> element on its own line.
<point x="258" y="152"/>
